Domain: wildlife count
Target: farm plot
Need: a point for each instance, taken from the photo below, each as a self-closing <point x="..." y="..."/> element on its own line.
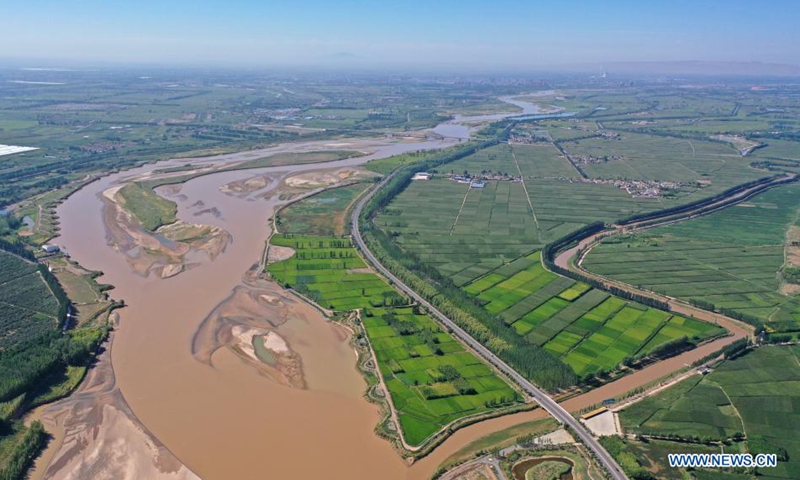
<point x="329" y="271"/>
<point x="27" y="306"/>
<point x="542" y="161"/>
<point x="431" y="378"/>
<point x="534" y="161"/>
<point x="586" y="328"/>
<point x="568" y="129"/>
<point x="634" y="156"/>
<point x="465" y="232"/>
<point x="735" y="259"/>
<point x="752" y="396"/>
<point x="322" y="214"/>
<point x="496" y="159"/>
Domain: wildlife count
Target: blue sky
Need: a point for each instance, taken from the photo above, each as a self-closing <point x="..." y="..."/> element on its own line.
<point x="490" y="34"/>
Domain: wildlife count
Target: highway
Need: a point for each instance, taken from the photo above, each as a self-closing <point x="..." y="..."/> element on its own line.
<point x="550" y="405"/>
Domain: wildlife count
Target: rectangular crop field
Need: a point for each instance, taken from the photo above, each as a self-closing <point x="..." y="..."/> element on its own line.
<point x="466" y="232"/>
<point x="733" y="258"/>
<point x="633" y="156"/>
<point x="27" y="306"/>
<point x="755" y="395"/>
<point x="586" y="328"/>
<point x="430" y="376"/>
<point x="329" y="271"/>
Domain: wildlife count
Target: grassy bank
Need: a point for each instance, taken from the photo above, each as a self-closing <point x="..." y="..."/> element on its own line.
<point x="150" y="209"/>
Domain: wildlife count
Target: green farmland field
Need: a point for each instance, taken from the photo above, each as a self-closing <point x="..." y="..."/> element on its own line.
<point x="322" y="214"/>
<point x="535" y="161"/>
<point x="465" y="232"/>
<point x="148" y="207"/>
<point x="27" y="307"/>
<point x="644" y="157"/>
<point x="329" y="271"/>
<point x="430" y="376"/>
<point x="586" y="328"/>
<point x="755" y="395"/>
<point x="732" y="258"/>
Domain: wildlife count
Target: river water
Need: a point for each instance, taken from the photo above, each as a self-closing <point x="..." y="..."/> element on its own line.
<point x="224" y="420"/>
<point x="462" y="126"/>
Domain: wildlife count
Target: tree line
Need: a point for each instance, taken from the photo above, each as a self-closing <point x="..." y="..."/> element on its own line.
<point x="551" y="250"/>
<point x="23" y="367"/>
<point x="24" y="453"/>
<point x="531" y="360"/>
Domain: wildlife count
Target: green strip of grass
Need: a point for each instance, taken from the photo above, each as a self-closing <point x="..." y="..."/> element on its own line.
<point x="150" y="210"/>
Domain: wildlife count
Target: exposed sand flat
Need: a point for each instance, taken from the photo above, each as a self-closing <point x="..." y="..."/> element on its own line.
<point x="170" y="250"/>
<point x="171" y="270"/>
<point x="244" y="339"/>
<point x="278" y="253"/>
<point x="248" y="185"/>
<point x="98" y="436"/>
<point x="257" y="308"/>
<point x="559" y="437"/>
<point x="276" y="343"/>
<point x="111" y="193"/>
<point x="185" y="375"/>
<point x="325" y="178"/>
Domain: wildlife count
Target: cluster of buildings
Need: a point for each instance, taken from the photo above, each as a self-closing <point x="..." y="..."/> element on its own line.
<point x="472" y="181"/>
<point x="289" y="114"/>
<point x="479" y="181"/>
<point x="610" y="135"/>
<point x="591" y="159"/>
<point x="106" y="146"/>
<point x="639" y="188"/>
<point x="525" y="137"/>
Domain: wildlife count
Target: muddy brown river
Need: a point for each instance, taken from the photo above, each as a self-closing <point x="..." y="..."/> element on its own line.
<point x="170" y="415"/>
<point x="223" y="420"/>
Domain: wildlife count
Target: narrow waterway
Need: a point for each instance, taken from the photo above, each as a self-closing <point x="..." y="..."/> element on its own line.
<point x="462" y="126"/>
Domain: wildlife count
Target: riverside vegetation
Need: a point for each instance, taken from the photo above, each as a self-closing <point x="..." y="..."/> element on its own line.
<point x="552" y="177"/>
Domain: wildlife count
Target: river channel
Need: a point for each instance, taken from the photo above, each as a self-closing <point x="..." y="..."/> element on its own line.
<point x="223" y="419"/>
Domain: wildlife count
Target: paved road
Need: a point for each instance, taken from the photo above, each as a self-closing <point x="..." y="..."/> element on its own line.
<point x="553" y="408"/>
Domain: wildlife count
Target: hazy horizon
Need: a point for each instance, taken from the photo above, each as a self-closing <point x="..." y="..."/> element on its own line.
<point x="503" y="35"/>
